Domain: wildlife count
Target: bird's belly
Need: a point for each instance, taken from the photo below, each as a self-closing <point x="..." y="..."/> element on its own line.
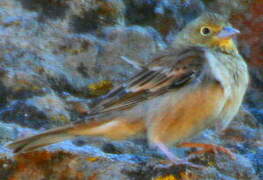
<point x="231" y="108"/>
<point x="176" y="119"/>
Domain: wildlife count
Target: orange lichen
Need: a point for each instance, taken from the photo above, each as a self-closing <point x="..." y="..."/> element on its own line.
<point x="100" y="88"/>
<point x="167" y="177"/>
<point x="40" y="165"/>
<point x="92" y="159"/>
<point x="182" y="176"/>
<point x="93" y="176"/>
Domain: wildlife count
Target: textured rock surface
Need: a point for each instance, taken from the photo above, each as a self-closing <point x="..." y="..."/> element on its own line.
<point x="100" y="159"/>
<point x="56" y="56"/>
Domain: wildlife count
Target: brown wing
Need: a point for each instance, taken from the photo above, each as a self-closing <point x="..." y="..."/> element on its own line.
<point x="171" y="70"/>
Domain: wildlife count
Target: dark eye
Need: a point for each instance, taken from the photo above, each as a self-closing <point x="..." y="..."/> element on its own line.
<point x="205" y="31"/>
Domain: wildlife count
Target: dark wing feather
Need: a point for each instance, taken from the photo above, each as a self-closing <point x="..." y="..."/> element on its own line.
<point x="168" y="71"/>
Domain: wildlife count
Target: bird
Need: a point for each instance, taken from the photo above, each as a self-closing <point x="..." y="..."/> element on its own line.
<point x="197" y="83"/>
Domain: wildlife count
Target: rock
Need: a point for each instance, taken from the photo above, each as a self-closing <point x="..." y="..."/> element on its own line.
<point x="54" y="108"/>
<point x="6" y="132"/>
<point x="91" y="16"/>
<point x="9" y="132"/>
<point x="165" y="16"/>
<point x="256" y="73"/>
<point x="133" y="42"/>
<point x="21" y="113"/>
<point x="57" y="57"/>
<point x="227" y="8"/>
<point x="53" y="9"/>
<point x="131" y="160"/>
<point x="37" y="112"/>
<point x="18" y="84"/>
<point x="254" y="103"/>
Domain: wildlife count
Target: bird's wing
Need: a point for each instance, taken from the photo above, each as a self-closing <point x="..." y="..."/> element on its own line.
<point x="171" y="70"/>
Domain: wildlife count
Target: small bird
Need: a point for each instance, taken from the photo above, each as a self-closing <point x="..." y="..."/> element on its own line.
<point x="197" y="83"/>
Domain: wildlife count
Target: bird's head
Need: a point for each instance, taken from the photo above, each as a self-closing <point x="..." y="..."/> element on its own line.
<point x="210" y="30"/>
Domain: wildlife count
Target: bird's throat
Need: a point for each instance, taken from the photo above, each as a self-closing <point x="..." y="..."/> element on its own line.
<point x="226" y="45"/>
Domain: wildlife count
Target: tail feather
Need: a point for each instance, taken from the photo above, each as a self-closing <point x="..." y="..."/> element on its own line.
<point x="40" y="140"/>
<point x="114" y="129"/>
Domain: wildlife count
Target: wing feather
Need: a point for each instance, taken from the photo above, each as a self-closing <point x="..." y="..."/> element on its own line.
<point x="169" y="71"/>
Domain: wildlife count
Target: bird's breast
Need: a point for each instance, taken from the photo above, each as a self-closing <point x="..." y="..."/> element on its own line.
<point x="230" y="70"/>
<point x="232" y="73"/>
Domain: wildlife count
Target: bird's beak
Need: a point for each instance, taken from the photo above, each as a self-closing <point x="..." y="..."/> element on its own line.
<point x="227" y="32"/>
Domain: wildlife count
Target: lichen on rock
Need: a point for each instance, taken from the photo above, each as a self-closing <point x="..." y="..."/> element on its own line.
<point x="57" y="57"/>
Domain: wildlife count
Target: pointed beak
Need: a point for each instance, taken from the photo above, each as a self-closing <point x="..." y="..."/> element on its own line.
<point x="228" y="32"/>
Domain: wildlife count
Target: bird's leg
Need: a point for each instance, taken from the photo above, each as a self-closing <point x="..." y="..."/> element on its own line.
<point x="175" y="160"/>
<point x="207" y="148"/>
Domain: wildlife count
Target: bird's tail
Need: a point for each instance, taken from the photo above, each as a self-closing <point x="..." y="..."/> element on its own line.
<point x="114" y="129"/>
<point x="43" y="139"/>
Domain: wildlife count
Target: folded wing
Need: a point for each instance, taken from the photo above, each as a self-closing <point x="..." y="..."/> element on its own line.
<point x="166" y="72"/>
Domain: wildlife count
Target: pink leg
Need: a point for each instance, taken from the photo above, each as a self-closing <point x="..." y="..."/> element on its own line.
<point x="167" y="152"/>
<point x="173" y="158"/>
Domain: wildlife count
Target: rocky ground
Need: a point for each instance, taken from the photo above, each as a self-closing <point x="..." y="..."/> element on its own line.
<point x="57" y="56"/>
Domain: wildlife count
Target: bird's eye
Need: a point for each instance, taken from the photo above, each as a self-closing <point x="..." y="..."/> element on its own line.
<point x="205" y="31"/>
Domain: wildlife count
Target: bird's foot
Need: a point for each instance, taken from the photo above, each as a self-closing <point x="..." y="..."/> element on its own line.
<point x="207" y="148"/>
<point x="175" y="160"/>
